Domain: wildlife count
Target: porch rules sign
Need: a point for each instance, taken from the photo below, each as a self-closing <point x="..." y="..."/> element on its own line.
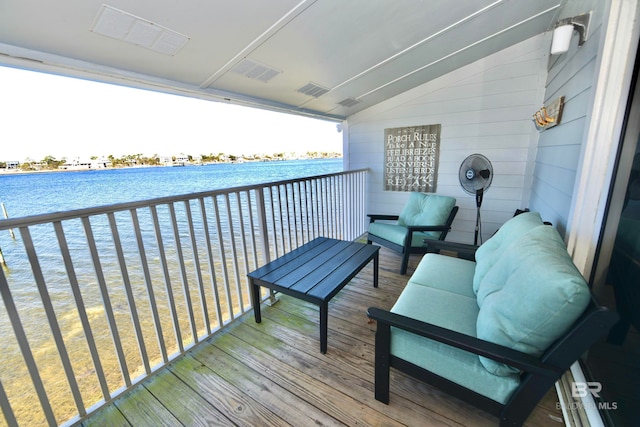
<point x="411" y="158"/>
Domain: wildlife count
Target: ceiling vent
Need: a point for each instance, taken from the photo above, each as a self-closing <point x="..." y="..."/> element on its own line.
<point x="254" y="70"/>
<point x="313" y="89"/>
<point x="349" y="102"/>
<point x="120" y="25"/>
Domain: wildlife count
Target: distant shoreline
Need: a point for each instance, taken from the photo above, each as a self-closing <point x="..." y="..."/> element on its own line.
<point x="86" y="169"/>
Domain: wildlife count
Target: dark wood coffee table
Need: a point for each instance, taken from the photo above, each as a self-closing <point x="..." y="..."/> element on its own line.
<point x="314" y="272"/>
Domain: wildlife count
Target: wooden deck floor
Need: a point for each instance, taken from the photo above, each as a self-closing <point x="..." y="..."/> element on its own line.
<point x="274" y="374"/>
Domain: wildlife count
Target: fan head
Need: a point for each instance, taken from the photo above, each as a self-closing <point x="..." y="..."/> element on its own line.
<point x="476" y="173"/>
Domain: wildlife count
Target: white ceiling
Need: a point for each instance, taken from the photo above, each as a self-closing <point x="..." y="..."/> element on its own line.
<point x="361" y="51"/>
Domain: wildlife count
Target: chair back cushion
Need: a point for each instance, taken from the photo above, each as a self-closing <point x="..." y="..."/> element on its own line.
<point x="426" y="209"/>
<point x="491" y="251"/>
<point x="530" y="296"/>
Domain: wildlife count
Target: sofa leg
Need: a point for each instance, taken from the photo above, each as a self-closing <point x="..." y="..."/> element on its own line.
<point x="382" y="356"/>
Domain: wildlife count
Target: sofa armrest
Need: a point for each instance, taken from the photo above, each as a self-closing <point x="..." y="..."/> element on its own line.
<point x="464" y="250"/>
<point x="508" y="356"/>
<point x="374" y="217"/>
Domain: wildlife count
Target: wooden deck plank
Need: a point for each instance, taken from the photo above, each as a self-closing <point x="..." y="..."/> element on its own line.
<point x="107" y="416"/>
<point x="231" y="401"/>
<point x="260" y="387"/>
<point x="141" y="408"/>
<point x="339" y="403"/>
<point x="339" y="377"/>
<point x="191" y="406"/>
<point x="272" y="373"/>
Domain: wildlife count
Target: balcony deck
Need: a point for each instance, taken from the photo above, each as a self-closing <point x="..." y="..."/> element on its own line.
<point x="274" y="374"/>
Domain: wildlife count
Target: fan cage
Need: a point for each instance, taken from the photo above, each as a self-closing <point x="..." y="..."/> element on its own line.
<point x="475" y="163"/>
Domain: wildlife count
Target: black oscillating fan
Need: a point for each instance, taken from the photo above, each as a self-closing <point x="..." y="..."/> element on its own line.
<point x="476" y="174"/>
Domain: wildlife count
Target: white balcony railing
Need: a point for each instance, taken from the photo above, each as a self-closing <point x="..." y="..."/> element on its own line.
<point x="96" y="300"/>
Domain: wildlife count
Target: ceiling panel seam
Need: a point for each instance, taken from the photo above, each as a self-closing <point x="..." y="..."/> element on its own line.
<point x="424" y="67"/>
<point x="261" y="39"/>
<point x="408" y="49"/>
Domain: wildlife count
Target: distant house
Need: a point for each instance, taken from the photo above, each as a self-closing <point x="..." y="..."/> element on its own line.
<point x="12" y="164"/>
<point x="81" y="164"/>
<point x="165" y="160"/>
<point x="181" y="160"/>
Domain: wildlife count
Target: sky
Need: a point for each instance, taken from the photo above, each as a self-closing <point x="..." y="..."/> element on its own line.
<point x="48" y="115"/>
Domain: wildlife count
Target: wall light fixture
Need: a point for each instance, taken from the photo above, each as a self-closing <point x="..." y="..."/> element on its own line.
<point x="564" y="30"/>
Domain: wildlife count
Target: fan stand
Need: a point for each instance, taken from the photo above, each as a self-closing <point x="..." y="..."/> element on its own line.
<point x="479" y="195"/>
<point x="476" y="174"/>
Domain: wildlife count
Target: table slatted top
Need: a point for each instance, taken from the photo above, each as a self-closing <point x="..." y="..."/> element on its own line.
<point x="317" y="270"/>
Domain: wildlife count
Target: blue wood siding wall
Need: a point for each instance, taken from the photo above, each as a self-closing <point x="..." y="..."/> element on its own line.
<point x="560" y="148"/>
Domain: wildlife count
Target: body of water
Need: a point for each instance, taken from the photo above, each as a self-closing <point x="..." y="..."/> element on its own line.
<point x="47" y="192"/>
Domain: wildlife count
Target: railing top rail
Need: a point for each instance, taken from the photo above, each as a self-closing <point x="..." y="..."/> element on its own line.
<point x="31" y="220"/>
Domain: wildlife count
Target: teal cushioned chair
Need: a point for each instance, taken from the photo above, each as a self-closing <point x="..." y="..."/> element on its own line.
<point x="424" y="216"/>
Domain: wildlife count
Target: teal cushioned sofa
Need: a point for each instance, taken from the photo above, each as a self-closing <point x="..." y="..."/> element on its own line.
<point x="497" y="331"/>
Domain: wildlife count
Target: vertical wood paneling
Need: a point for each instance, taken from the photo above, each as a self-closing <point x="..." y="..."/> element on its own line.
<point x="484" y="107"/>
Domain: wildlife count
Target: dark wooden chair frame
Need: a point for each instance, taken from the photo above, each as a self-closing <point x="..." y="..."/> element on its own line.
<point x="407" y="249"/>
<point x="538" y="373"/>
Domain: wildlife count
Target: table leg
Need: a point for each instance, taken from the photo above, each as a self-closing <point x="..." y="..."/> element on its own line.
<point x="376" y="262"/>
<point x="324" y="315"/>
<point x="255" y="300"/>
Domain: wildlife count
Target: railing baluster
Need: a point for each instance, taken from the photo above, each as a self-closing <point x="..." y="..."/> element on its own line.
<point x="262" y="224"/>
<point x="183" y="271"/>
<point x="259" y="208"/>
<point x="223" y="258"/>
<point x="52" y="319"/>
<point x="82" y="312"/>
<point x="167" y="278"/>
<point x="7" y="411"/>
<point x="25" y="349"/>
<point x="317" y="217"/>
<point x="323" y="196"/>
<point x="288" y="212"/>
<point x="281" y="218"/>
<point x="212" y="267"/>
<point x="198" y="271"/>
<point x="278" y="224"/>
<point x="332" y="193"/>
<point x="234" y="255"/>
<point x="347" y="202"/>
<point x="243" y="236"/>
<point x="273" y="221"/>
<point x="130" y="298"/>
<point x="106" y="301"/>
<point x="263" y="228"/>
<point x="243" y="246"/>
<point x="307" y="210"/>
<point x="296" y="212"/>
<point x="149" y="286"/>
<point x="304" y="224"/>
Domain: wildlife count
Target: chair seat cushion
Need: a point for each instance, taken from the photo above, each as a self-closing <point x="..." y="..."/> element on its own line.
<point x="398" y="234"/>
<point x="452" y="311"/>
<point x="530" y="296"/>
<point x="446" y="273"/>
